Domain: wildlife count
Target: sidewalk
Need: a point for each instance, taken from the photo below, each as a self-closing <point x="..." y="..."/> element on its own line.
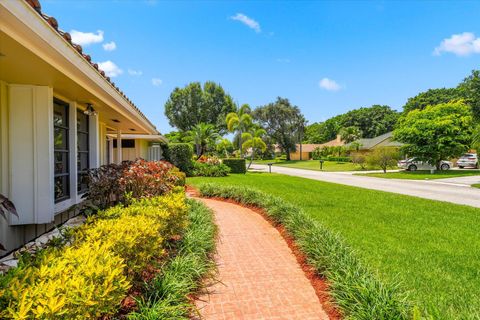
<point x="259" y="277"/>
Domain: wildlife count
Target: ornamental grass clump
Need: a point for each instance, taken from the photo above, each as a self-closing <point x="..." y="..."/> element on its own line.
<point x="90" y="277"/>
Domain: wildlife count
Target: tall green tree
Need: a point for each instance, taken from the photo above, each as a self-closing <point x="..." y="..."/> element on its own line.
<point x="469" y="89"/>
<point x="282" y="121"/>
<point x="432" y="97"/>
<point x="203" y="135"/>
<point x="253" y="141"/>
<point x="437" y="132"/>
<point x="239" y="122"/>
<point x="195" y="104"/>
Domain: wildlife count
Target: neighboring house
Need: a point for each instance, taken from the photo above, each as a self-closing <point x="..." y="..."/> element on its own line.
<point x="305" y="150"/>
<point x="59" y="116"/>
<point x="385" y="140"/>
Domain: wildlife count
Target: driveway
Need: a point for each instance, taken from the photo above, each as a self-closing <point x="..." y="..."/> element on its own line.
<point x="454" y="190"/>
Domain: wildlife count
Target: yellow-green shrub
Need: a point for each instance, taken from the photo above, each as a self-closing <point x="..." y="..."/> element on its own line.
<point x="89" y="278"/>
<point x="78" y="282"/>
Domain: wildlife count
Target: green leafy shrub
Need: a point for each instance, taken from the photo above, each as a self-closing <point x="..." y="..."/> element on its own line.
<point x="204" y="169"/>
<point x="180" y="155"/>
<point x="236" y="165"/>
<point x="358" y="291"/>
<point x="167" y="295"/>
<point x="336" y="159"/>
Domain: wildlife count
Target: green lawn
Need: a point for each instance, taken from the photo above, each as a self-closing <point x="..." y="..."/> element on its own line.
<point x="432" y="247"/>
<point x="477" y="185"/>
<point x="423" y="175"/>
<point x="313" y="165"/>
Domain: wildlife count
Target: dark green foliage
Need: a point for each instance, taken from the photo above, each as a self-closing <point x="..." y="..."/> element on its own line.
<point x="432" y="97"/>
<point x="283" y="122"/>
<point x="470" y="90"/>
<point x="236" y="165"/>
<point x="193" y="104"/>
<point x="371" y="122"/>
<point x="180" y="155"/>
<point x="355" y="288"/>
<point x="203" y="169"/>
<point x="335" y="159"/>
<point x="167" y="296"/>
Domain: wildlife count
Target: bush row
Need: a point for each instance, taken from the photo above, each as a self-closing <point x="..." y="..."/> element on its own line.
<point x="236" y="165"/>
<point x="167" y="295"/>
<point x="91" y="276"/>
<point x="354" y="287"/>
<point x="335" y="159"/>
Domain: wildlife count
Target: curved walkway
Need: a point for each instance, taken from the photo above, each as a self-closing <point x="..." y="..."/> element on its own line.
<point x="259" y="277"/>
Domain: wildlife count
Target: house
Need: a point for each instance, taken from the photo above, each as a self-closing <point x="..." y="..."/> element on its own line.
<point x="384" y="140"/>
<point x="304" y="151"/>
<point x="59" y="116"/>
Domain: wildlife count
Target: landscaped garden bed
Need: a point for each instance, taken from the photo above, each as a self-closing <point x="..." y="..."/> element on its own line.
<point x="429" y="247"/>
<point x="139" y="259"/>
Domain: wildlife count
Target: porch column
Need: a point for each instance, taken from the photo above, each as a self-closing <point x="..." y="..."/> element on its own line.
<point x="119" y="146"/>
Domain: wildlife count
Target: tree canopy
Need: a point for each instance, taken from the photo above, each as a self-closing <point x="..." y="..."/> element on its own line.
<point x="371" y="122"/>
<point x="432" y="97"/>
<point x="282" y="122"/>
<point x="437" y="132"/>
<point x="469" y="89"/>
<point x="195" y="104"/>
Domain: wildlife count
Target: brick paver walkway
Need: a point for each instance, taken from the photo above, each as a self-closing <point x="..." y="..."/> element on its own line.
<point x="258" y="273"/>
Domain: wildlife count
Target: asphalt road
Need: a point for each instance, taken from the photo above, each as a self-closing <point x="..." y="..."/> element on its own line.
<point x="454" y="190"/>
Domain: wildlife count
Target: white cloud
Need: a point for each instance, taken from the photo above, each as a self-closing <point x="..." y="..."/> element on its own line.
<point x="136" y="73"/>
<point x="110" y="68"/>
<point x="249" y="22"/>
<point x="109" y="46"/>
<point x="86" y="38"/>
<point x="462" y="44"/>
<point x="157" y="82"/>
<point x="329" y="84"/>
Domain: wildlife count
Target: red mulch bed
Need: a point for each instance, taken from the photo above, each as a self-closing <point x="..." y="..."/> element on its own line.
<point x="319" y="283"/>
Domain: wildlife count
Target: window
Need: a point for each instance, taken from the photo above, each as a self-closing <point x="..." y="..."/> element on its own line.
<point x="126" y="143"/>
<point x="82" y="152"/>
<point x="61" y="154"/>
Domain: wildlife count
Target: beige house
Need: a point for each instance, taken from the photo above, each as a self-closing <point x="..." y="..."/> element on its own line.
<point x="304" y="151"/>
<point x="59" y="116"/>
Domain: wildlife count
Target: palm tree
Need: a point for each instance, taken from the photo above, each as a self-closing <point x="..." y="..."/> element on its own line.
<point x="239" y="122"/>
<point x="224" y="146"/>
<point x="203" y="135"/>
<point x="350" y="134"/>
<point x="254" y="142"/>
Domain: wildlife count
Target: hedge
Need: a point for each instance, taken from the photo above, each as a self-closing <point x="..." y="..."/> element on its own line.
<point x="180" y="155"/>
<point x="236" y="165"/>
<point x="355" y="288"/>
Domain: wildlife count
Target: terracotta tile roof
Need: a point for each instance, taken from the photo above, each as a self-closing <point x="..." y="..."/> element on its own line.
<point x="35" y="4"/>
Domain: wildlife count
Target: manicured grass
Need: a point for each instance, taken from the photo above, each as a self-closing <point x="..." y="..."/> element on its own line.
<point x="313" y="165"/>
<point x="476" y="185"/>
<point x="423" y="175"/>
<point x="430" y="246"/>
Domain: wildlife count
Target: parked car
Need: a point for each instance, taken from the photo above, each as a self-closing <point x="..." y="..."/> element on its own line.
<point x="468" y="160"/>
<point x="414" y="164"/>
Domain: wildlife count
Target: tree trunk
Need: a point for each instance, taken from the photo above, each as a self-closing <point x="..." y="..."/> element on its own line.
<point x="251" y="158"/>
<point x="288" y="154"/>
<point x="301" y="150"/>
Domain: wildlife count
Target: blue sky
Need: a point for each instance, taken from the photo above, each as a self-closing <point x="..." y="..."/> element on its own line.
<point x="326" y="57"/>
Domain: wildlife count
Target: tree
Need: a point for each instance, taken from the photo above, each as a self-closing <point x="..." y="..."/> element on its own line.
<point x="432" y="97"/>
<point x="372" y="121"/>
<point x="359" y="158"/>
<point x="239" y="122"/>
<point x="350" y="134"/>
<point x="193" y="104"/>
<point x="203" y="135"/>
<point x="282" y="121"/>
<point x="224" y="147"/>
<point x="176" y="137"/>
<point x="470" y="90"/>
<point x="253" y="141"/>
<point x="383" y="157"/>
<point x="437" y="132"/>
